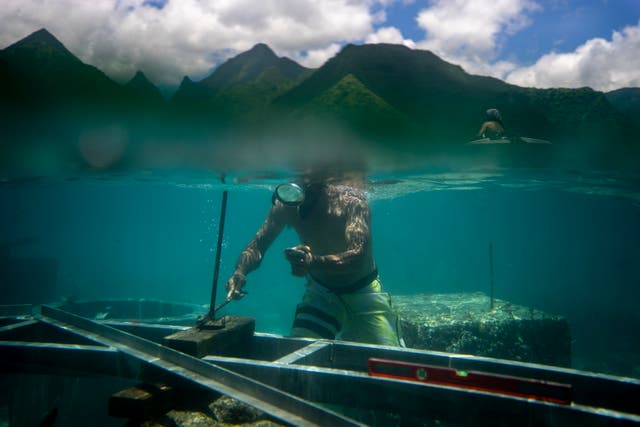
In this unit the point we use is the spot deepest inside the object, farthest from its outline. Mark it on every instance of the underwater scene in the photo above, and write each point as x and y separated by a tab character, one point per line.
556	246
563	243
305	213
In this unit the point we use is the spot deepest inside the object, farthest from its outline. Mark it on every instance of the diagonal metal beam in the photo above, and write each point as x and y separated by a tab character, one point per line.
17	325
299	355
13	310
280	405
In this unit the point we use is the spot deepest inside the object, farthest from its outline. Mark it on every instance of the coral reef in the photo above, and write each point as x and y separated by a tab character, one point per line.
465	323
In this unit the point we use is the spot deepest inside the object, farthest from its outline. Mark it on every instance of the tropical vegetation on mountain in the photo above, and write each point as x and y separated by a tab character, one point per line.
382	94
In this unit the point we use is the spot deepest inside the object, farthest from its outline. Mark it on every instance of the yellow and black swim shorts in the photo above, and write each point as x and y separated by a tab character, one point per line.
362	315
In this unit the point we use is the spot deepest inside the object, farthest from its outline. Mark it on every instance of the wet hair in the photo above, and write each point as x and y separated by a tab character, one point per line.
494	115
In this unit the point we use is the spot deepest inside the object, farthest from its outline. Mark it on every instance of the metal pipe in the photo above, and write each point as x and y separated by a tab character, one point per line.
216	270
491	273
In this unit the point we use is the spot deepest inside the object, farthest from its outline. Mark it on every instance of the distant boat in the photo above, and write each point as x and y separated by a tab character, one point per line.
509	151
508	140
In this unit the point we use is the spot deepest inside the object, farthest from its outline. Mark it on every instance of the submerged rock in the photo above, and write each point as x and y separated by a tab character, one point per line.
191	419
232	411
222	412
464	323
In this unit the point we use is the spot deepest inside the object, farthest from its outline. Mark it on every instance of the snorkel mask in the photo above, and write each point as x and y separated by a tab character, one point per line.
289	194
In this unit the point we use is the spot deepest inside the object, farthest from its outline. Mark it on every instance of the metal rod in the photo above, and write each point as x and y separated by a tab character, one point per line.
221	305
216	270
491	273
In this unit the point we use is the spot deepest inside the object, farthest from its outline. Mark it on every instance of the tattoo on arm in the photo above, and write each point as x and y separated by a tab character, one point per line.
252	255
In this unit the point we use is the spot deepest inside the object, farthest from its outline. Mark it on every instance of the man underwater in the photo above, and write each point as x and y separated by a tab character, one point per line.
344	297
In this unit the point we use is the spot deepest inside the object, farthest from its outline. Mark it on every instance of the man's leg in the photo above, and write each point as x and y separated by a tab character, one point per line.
370	317
319	315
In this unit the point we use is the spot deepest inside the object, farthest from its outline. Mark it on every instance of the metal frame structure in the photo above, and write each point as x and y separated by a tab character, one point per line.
296	380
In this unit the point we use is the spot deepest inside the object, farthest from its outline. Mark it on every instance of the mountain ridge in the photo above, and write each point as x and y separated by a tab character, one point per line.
244	84
383	92
38	71
43	43
626	100
143	91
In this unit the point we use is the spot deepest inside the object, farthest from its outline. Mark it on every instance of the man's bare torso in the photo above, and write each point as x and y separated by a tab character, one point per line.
491	129
338	221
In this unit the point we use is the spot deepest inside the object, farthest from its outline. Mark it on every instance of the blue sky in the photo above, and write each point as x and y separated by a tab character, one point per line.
557	25
539	43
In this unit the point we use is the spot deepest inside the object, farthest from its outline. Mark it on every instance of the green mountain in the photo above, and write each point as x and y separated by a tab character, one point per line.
54	105
572	113
250	66
397	73
40	73
244	85
143	93
627	100
383	94
350	102
446	105
426	89
188	92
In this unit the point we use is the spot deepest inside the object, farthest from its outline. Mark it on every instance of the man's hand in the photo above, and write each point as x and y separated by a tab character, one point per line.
234	286
300	258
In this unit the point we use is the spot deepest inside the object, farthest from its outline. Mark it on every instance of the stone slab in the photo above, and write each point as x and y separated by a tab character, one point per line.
464	323
234	339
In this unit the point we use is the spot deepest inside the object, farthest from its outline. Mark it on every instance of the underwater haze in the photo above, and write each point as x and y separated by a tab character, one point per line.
564	242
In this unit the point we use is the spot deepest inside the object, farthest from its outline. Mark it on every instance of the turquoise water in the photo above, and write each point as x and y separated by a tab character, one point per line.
564	242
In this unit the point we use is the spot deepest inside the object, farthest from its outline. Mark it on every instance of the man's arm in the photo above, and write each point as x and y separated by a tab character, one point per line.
483	129
252	255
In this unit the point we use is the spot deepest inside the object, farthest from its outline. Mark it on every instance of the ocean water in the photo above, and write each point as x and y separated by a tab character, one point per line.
565	242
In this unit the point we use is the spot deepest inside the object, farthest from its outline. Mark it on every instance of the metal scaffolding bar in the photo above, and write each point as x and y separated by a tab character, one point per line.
283	375
280	405
458	405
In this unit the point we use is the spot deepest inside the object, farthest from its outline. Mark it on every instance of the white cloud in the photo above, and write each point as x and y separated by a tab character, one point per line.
315	58
469	33
189	37
472	27
601	64
389	35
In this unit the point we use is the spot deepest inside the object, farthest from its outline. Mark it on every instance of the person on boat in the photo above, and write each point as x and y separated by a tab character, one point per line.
493	127
343	298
